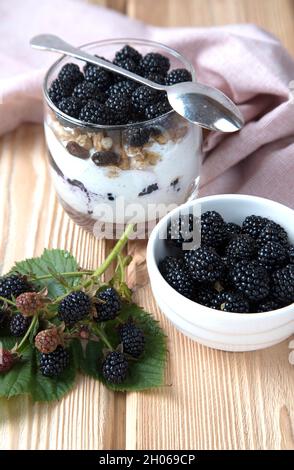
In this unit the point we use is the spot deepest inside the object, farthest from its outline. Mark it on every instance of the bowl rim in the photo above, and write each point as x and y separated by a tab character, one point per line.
221	315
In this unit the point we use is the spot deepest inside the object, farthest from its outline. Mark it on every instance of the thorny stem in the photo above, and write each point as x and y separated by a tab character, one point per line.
3	299
68	274
115	252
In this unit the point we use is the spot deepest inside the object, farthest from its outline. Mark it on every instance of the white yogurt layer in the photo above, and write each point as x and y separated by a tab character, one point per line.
178	160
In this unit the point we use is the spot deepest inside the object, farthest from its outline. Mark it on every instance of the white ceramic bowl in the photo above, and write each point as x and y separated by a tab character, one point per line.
217	329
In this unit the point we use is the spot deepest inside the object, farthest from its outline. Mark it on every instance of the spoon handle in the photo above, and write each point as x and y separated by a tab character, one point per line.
51	42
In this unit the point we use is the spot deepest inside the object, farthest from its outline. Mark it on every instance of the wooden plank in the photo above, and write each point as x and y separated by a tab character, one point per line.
213	399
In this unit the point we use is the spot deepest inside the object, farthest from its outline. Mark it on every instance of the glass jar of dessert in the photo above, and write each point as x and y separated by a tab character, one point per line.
118	153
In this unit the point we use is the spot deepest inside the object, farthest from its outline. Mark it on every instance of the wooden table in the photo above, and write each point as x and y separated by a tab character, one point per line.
212	399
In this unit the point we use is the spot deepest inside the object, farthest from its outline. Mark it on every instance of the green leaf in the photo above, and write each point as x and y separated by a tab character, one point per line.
25	378
146	372
17	380
51	262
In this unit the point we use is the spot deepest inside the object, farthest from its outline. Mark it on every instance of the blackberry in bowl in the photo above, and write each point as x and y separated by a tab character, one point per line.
116	148
236	292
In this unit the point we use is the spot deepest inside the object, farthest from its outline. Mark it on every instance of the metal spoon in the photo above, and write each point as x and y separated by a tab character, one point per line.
198	103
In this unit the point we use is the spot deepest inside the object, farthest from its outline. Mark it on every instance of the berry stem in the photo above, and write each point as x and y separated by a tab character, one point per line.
31	327
10	302
115	251
99	333
113	254
68	274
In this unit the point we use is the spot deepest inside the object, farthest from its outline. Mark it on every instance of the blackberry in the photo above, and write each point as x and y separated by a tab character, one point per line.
137	136
155	62
182	229
54	363
157	109
95	113
115	367
272	255
59	90
70	74
170	263
213	229
127	64
132	338
232	230
19	324
283	284
7	359
13	285
251	280
177	277
142	97
273	232
206	296
118	106
29	303
231	302
71	106
74	307
108	305
100	77
178	76
253	225
125	88
243	247
204	264
155	77
128	52
267	306
88	91
291	254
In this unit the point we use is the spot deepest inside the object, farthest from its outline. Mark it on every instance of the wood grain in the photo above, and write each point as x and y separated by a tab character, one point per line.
211	399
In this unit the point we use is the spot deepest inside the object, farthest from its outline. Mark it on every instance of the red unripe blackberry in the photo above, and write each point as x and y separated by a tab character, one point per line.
7	359
29	303
47	341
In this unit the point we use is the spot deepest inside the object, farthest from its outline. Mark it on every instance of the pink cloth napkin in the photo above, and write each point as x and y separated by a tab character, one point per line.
248	64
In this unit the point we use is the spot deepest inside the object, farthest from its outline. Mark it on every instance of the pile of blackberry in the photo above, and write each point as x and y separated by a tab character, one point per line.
74	310
243	268
98	96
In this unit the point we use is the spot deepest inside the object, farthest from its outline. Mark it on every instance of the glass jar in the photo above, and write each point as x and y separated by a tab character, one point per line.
102	178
